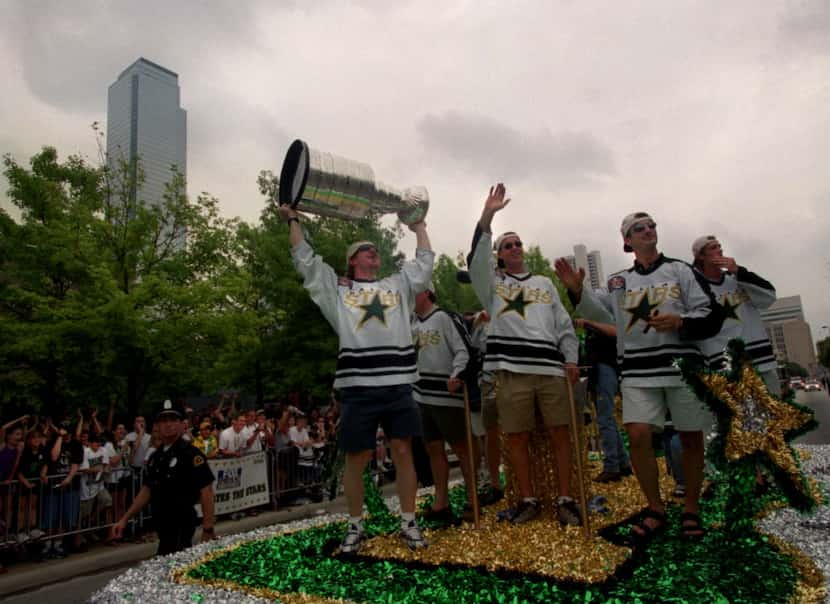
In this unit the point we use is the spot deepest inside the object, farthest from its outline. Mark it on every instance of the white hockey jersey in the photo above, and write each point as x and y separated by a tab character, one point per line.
442	354
645	356
371	318
530	330
742	296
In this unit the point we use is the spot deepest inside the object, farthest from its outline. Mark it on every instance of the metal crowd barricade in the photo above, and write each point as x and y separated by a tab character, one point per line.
50	511
290	481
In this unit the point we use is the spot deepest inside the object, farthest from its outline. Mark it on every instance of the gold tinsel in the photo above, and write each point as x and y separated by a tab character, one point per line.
760	422
542	547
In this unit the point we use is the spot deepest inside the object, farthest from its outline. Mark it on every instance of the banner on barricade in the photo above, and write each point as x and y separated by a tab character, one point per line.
240	482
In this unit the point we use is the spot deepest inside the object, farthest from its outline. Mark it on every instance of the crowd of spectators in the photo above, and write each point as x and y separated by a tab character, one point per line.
63	483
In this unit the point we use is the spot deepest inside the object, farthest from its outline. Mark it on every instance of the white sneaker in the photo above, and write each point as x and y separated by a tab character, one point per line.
36	533
412	537
23	537
352	540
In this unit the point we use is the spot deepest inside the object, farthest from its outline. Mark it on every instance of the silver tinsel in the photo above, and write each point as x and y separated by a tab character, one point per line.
151	580
808	532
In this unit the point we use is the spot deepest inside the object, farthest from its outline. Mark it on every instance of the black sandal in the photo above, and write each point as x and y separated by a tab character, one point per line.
694	530
640	540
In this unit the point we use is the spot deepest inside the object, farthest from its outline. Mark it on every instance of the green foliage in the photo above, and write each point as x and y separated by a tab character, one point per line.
105	296
824	352
451	294
794	369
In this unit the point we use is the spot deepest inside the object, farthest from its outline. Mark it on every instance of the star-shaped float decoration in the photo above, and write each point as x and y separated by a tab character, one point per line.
640	312
757	425
374	309
515	304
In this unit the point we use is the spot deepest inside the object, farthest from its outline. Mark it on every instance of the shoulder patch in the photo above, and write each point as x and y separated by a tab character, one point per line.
616	282
198	460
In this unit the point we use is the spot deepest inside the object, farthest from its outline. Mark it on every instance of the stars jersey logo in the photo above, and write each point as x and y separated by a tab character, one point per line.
730	302
372	304
640	312
517	298
641	304
516	304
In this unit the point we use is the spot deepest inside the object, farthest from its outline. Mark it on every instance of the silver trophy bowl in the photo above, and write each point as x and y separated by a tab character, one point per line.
328	185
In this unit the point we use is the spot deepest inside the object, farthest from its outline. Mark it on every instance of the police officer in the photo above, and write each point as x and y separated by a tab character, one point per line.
177	478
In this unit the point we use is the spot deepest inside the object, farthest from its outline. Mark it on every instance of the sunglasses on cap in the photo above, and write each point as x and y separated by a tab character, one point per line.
642	226
365	248
511	244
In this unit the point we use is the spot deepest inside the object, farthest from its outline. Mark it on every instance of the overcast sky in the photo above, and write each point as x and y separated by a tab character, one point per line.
712	116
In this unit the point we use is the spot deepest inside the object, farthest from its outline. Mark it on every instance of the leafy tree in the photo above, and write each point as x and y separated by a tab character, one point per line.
794	369
452	294
824	352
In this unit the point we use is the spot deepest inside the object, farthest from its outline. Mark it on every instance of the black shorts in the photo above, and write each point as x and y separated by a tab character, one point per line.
363	408
443	423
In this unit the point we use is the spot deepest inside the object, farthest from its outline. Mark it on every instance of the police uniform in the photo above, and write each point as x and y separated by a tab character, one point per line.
175	476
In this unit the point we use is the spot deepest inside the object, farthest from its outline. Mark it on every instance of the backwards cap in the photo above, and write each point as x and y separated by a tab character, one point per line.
628	222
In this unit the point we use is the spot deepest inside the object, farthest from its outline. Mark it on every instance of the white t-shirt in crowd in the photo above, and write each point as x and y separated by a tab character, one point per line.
306	453
232	441
256	446
143	446
91	484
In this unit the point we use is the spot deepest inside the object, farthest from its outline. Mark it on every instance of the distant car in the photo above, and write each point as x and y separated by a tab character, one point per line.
797	383
812	386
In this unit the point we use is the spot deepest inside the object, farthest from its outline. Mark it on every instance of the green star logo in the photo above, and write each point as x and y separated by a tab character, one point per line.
516	304
373	310
729	309
640	312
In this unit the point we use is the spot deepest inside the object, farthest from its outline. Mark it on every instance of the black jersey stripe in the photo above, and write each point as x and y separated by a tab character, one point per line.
376	360
374	349
657	361
661	348
375	372
522	361
652	373
528	341
501	349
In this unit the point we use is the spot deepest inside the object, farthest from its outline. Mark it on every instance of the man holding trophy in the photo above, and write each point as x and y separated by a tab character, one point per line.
376	364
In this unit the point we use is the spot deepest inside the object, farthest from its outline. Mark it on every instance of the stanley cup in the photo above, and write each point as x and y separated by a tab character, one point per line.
325	184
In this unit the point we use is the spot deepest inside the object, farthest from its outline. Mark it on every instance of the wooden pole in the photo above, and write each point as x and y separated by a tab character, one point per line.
586	523
470	449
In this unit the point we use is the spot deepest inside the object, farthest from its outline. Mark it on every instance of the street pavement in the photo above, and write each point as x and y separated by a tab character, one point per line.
820	403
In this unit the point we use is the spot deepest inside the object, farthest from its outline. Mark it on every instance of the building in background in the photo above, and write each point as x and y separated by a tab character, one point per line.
790	334
590	262
147	127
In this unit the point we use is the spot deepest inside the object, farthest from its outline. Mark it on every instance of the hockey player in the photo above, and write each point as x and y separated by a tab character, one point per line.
531	346
376	364
660	306
442	356
742	294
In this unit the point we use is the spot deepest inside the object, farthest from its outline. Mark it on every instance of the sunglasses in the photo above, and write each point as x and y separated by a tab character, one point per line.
642	226
511	244
366	248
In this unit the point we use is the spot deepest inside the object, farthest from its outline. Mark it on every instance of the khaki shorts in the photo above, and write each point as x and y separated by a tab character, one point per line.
103	498
519	394
649	406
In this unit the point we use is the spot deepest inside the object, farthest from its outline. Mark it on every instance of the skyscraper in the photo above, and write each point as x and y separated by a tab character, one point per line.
591	262
789	333
145	123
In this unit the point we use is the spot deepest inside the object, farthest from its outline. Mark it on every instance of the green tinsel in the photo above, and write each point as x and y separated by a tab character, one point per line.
738	568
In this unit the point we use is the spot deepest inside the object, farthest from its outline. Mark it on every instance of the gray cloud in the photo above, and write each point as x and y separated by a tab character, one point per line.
69	53
557	160
806	23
